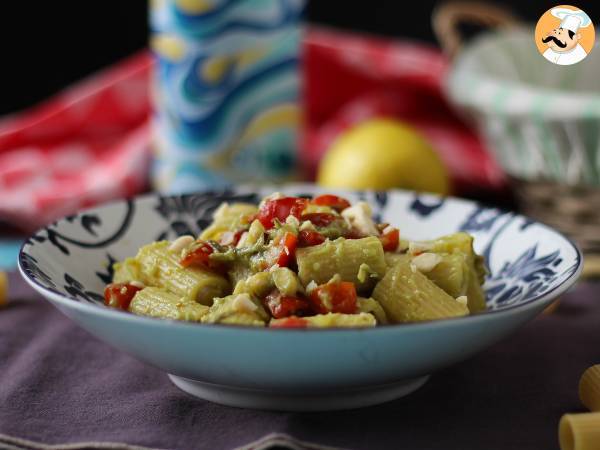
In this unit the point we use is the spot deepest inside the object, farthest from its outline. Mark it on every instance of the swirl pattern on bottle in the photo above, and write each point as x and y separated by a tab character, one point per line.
225	91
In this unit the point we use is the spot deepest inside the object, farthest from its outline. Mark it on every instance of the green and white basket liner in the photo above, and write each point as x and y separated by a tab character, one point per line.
542	121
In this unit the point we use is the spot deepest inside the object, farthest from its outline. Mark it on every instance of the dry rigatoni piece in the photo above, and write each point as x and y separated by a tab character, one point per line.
407	295
156	302
3	289
579	431
160	267
342	257
589	388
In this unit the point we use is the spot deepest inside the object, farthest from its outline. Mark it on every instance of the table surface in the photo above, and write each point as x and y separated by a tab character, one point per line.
59	384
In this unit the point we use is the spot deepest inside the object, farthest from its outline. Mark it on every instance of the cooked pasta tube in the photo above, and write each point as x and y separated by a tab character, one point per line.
372	306
255	234
227	217
237	309
156	302
331	320
451	274
286	281
589	388
238	271
460	244
579	431
160	267
257	285
344	257
407	295
127	271
391	258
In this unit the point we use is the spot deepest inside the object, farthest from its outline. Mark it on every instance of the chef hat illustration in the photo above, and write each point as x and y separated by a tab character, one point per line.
571	19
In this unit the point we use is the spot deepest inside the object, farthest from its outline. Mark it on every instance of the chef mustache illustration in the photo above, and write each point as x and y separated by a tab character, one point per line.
563	42
557	41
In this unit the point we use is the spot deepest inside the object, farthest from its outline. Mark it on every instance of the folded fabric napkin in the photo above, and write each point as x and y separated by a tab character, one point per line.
61	385
86	145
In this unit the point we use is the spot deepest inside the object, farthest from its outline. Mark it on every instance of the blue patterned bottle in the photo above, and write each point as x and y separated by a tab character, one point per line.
225	91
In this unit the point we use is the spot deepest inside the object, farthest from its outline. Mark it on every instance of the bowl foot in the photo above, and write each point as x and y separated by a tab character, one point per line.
269	400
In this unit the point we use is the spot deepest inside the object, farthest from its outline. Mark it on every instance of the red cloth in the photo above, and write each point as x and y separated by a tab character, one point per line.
350	78
86	145
91	143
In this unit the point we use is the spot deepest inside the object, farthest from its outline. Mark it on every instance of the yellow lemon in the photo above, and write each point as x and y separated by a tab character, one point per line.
383	154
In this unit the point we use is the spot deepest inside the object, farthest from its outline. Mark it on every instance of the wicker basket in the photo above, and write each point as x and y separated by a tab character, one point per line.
541	121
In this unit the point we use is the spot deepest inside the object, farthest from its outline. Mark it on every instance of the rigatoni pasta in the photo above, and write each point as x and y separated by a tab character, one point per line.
344	257
160	267
579	431
589	388
157	302
407	295
300	262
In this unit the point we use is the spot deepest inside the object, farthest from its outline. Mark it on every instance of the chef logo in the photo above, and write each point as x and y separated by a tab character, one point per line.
564	35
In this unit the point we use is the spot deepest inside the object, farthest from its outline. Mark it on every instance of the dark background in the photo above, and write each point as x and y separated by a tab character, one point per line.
47	45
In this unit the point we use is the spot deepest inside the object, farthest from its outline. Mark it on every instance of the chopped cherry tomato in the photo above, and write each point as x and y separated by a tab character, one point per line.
280	209
334	297
390	240
290	322
320	219
333	201
282	251
119	295
284	306
231	237
287	247
307	238
199	255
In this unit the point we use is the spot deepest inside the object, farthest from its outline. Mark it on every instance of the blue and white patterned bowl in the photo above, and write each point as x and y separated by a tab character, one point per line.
69	263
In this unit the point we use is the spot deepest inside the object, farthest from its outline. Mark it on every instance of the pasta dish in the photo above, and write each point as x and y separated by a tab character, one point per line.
293	262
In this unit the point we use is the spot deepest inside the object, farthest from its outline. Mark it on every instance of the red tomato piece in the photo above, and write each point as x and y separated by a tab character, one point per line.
119	295
231	237
287	248
390	240
307	238
334	297
290	322
320	219
284	305
199	255
333	201
280	209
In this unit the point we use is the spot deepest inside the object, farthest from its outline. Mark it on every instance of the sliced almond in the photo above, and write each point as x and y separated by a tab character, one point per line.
181	243
243	303
426	262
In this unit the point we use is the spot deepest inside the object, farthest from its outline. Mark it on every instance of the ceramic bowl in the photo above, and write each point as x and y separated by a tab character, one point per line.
69	262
